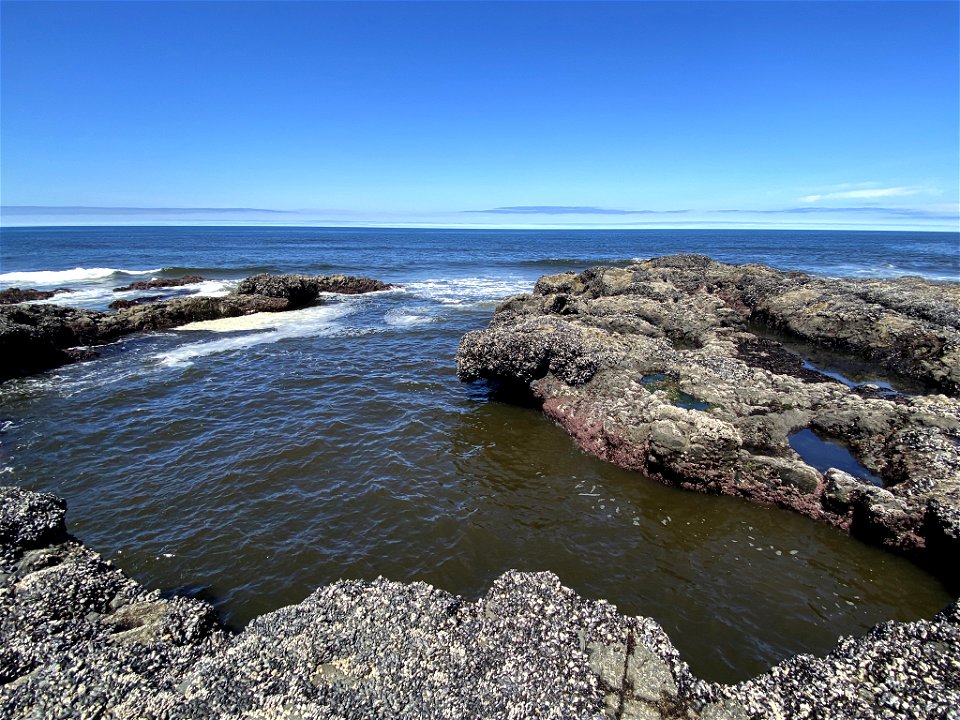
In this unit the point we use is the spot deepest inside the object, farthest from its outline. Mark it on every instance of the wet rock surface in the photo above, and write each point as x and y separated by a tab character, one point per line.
80	639
19	295
142	300
301	290
34	338
161	283
653	367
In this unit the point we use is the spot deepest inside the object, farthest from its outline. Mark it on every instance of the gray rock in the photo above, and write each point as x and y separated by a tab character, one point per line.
653	367
29	520
19	295
34	338
301	290
161	283
78	639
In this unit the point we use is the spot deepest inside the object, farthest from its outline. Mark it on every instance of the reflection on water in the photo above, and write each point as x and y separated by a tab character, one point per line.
253	472
825	454
847	369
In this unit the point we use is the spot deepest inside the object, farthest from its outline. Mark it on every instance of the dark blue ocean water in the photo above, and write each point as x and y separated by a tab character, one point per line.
251	462
405	254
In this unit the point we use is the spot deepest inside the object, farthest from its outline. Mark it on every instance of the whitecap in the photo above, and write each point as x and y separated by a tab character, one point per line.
213	288
99	297
94	297
61	277
469	290
405	318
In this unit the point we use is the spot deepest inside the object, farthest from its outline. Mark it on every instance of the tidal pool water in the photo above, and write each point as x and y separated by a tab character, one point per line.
252	463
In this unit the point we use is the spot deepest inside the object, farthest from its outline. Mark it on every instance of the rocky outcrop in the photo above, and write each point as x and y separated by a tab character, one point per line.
142	300
18	295
161	283
34	338
302	290
654	367
80	639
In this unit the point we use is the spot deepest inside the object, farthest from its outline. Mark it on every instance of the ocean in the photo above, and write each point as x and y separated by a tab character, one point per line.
250	462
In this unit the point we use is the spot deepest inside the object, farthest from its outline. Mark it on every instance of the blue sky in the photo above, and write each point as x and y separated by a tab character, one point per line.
619	114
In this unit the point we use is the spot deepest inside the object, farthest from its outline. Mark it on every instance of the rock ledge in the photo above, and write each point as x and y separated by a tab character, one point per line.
667	367
79	639
34	338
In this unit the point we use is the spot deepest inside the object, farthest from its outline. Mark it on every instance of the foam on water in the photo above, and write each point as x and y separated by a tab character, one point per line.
883	270
213	288
406	317
60	277
88	298
98	297
273	327
469	290
293	319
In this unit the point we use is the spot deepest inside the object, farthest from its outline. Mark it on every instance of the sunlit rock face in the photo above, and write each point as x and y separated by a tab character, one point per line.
662	367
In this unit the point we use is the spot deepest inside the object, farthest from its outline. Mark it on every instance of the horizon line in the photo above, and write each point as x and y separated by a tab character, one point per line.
633	227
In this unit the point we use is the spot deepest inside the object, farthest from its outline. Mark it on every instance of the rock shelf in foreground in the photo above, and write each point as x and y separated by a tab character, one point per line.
654	367
80	639
34	338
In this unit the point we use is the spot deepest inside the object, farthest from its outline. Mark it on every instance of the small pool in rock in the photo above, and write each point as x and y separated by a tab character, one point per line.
846	368
825	454
885	388
661	382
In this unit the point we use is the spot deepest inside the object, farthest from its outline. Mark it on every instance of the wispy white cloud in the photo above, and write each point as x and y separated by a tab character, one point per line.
569	210
152	211
863	194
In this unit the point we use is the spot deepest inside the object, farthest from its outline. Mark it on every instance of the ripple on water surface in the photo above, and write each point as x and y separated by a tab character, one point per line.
272	459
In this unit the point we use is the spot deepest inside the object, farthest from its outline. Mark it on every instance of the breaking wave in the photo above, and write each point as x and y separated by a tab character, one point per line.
61	277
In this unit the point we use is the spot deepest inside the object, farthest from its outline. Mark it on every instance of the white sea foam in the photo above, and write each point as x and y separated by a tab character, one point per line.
86	298
213	288
62	277
101	296
309	322
404	317
469	290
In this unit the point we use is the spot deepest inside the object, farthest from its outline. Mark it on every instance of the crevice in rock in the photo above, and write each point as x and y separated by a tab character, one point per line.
624	685
509	390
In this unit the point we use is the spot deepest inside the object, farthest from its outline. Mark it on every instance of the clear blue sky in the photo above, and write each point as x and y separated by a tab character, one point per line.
683	113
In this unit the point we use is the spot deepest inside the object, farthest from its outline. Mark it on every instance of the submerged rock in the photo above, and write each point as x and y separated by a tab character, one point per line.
161	283
80	639
143	300
653	367
34	338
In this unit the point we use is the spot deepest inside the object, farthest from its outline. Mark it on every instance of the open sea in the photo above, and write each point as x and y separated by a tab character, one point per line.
248	463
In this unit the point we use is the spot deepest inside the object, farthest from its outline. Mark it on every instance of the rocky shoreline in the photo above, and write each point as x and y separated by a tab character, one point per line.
657	367
79	639
661	366
35	338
